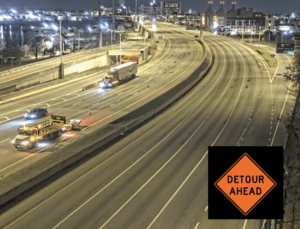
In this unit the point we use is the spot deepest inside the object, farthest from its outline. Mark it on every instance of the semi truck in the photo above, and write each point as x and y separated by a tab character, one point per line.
29	135
119	74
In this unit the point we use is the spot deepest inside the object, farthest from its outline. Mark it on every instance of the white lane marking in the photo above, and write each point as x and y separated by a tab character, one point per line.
5	118
159	89
109	159
144	70
245	224
238	98
5	140
76	103
57	225
197	225
282	109
48	104
263	224
11	165
206	208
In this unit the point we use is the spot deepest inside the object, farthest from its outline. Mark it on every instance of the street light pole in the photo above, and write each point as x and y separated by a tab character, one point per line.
60	39
78	39
113	24
100	30
251	33
136	10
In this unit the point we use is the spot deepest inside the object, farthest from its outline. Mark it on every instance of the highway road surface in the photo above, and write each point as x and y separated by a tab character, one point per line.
174	61
156	177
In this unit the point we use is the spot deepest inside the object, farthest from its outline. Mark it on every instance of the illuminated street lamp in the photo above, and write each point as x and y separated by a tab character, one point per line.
124	7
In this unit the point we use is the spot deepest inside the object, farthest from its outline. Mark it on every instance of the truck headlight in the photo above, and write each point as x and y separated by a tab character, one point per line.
25	143
13	141
25	115
102	84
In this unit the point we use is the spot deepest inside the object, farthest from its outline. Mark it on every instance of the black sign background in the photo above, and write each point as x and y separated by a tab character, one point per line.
284	47
220	159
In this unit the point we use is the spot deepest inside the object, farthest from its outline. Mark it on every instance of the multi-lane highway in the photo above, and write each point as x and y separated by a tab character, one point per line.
156	177
177	57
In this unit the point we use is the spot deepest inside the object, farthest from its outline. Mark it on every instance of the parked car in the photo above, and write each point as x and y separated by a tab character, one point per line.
37	113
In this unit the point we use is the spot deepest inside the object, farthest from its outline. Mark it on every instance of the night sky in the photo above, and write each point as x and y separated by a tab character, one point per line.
267	6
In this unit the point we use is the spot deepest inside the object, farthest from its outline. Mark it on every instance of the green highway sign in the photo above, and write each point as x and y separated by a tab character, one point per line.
290	52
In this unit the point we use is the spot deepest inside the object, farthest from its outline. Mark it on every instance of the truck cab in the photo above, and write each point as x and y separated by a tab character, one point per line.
109	79
26	138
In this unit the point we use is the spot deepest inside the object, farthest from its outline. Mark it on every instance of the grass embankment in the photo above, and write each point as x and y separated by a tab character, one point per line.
272	62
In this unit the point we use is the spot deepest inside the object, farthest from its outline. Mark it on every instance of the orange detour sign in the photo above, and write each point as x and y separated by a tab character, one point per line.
245	184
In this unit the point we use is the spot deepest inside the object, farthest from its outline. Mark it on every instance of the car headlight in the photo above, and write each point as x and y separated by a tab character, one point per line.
25	115
32	116
25	143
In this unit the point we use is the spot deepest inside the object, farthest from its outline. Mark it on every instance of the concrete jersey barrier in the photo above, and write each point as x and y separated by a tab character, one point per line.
24	179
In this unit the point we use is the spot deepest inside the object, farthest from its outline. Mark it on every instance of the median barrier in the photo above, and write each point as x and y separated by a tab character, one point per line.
272	62
39	171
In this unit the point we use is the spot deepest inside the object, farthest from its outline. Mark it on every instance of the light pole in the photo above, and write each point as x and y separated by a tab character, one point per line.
136	10
113	24
243	28
124	7
251	34
120	34
145	48
100	29
61	51
60	39
78	39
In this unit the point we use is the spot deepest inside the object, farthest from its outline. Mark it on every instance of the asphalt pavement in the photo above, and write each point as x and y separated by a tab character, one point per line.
156	177
168	67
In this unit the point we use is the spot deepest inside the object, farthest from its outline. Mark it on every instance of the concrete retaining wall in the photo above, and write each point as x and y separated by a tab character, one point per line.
85	64
71	68
15	184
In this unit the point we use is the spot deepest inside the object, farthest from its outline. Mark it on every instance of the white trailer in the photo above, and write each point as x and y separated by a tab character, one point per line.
119	74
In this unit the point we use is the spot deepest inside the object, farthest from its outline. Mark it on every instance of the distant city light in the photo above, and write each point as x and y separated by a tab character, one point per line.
54	27
46	26
215	25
